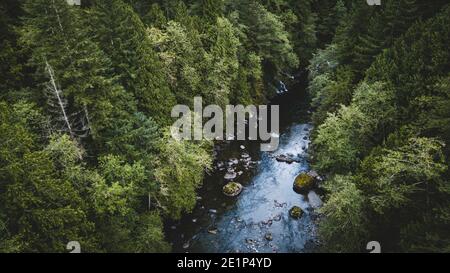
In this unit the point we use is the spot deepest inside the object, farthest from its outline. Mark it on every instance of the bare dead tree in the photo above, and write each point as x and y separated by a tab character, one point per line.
75	123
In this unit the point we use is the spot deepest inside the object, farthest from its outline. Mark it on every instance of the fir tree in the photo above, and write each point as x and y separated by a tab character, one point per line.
122	35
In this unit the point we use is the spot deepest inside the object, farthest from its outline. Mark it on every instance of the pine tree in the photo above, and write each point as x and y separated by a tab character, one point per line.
44	204
14	73
56	37
266	35
155	16
123	37
209	10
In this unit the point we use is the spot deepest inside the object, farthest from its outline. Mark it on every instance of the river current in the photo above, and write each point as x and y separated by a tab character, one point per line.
257	220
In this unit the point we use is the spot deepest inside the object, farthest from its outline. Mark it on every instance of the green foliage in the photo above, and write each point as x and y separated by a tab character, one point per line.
344	228
179	173
122	36
90	89
338	144
177	50
388	142
149	235
265	34
44	208
86	95
434	114
55	36
337	92
395	176
221	63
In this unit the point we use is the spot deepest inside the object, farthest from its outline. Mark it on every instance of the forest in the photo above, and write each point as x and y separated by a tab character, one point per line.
86	93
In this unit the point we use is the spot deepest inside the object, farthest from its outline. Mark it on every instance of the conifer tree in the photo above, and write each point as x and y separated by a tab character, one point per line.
122	35
56	37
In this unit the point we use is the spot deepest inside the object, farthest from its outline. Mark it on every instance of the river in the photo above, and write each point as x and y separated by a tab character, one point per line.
256	221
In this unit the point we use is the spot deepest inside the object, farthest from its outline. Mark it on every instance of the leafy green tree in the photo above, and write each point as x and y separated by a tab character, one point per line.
395	176
182	59
338	144
149	235
345	224
122	213
401	168
179	173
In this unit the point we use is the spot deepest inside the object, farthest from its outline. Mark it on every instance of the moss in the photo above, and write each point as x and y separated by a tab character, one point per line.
296	212
303	183
232	189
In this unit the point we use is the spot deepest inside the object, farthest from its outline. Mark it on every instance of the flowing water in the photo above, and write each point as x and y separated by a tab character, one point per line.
258	219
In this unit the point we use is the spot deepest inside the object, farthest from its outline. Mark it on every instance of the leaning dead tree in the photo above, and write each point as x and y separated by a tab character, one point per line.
64	118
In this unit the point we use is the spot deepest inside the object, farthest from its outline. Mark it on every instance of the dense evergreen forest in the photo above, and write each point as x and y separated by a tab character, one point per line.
86	94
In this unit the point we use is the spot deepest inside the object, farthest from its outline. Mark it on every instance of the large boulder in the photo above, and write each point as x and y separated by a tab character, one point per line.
285	158
304	183
232	189
296	212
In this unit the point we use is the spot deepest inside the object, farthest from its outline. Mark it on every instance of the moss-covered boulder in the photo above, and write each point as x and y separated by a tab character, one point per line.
232	189
304	183
296	212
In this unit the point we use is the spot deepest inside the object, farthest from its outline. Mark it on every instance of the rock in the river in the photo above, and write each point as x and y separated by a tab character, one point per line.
268	236
314	200
232	189
285	158
213	211
212	231
296	212
235	161
303	183
186	245
278	204
230	175
242	147
277	218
